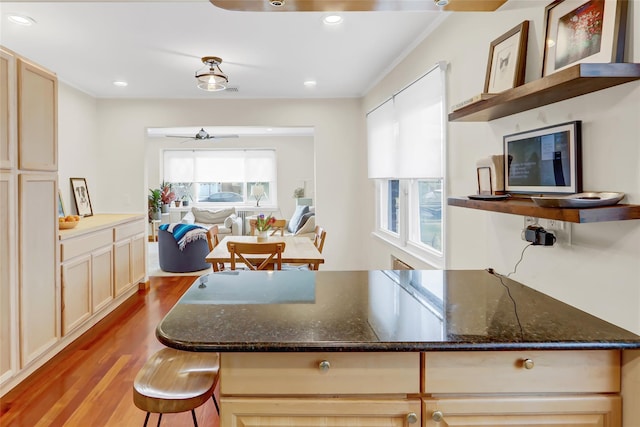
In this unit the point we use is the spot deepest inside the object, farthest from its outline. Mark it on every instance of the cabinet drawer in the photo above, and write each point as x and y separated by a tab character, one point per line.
595	371
302	373
128	230
85	244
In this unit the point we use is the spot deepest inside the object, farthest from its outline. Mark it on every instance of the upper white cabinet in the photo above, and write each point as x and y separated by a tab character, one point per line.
37	118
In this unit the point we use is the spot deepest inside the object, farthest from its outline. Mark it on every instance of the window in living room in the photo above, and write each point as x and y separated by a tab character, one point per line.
222	176
406	137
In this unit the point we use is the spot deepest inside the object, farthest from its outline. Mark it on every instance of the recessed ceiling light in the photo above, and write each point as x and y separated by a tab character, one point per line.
332	19
21	20
276	3
310	83
120	83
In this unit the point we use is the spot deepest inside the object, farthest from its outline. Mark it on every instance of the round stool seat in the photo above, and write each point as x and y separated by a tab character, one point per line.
175	381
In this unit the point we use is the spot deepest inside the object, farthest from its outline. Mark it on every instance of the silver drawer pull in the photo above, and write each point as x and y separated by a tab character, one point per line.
437	416
412	418
324	366
528	364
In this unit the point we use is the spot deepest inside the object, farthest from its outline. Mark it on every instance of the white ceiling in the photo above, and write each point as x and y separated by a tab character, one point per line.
156	47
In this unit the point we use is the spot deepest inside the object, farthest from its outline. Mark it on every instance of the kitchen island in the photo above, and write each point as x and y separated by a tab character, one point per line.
430	348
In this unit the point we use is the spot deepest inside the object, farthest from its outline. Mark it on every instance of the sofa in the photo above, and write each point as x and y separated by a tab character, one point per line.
226	219
302	222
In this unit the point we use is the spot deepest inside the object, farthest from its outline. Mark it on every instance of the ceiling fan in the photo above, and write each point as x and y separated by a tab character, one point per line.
202	135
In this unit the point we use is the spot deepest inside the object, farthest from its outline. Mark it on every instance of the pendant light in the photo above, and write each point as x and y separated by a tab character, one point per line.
210	77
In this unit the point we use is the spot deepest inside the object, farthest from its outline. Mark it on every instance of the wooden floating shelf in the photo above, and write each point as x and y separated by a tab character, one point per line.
574	81
526	207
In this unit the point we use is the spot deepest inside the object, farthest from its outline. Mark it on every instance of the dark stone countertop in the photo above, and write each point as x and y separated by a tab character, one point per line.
378	311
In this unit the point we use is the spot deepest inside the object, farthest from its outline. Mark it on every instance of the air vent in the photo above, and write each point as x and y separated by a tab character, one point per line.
231	89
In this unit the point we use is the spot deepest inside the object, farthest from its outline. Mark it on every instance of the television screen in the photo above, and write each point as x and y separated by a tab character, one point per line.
543	161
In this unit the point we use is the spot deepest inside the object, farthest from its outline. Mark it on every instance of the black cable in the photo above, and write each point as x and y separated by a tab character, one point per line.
500	276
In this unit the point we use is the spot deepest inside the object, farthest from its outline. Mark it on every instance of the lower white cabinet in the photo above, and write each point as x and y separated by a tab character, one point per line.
76	292
129	255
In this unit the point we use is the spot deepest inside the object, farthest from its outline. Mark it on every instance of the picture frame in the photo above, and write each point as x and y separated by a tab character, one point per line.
507	60
578	31
546	160
81	196
61	212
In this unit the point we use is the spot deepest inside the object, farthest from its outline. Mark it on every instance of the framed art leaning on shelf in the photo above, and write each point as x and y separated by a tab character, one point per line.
81	196
507	60
579	31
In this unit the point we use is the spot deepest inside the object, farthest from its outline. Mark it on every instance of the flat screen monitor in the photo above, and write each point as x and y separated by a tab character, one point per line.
544	161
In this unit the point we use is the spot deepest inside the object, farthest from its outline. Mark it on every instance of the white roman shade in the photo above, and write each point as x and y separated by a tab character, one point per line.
406	134
219	165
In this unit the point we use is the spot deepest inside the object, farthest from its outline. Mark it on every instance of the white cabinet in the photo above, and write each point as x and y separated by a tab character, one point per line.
37	118
76	292
8	278
129	255
8	109
39	291
101	278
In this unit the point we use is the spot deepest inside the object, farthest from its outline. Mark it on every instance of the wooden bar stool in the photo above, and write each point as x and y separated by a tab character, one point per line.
174	381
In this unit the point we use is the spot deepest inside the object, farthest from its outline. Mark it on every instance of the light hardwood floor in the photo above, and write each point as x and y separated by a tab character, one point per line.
89	384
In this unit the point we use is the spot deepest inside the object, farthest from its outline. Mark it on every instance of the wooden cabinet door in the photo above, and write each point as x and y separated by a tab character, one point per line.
76	284
38	264
8	109
556	411
8	277
138	261
311	412
101	278
122	266
37	118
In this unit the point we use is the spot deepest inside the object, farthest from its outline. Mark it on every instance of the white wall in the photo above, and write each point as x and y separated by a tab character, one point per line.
338	144
77	142
600	271
294	157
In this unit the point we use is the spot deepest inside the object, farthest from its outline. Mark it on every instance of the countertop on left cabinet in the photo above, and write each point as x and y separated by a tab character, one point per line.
99	222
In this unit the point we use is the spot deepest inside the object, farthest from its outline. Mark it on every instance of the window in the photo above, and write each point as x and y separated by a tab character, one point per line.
221	176
406	157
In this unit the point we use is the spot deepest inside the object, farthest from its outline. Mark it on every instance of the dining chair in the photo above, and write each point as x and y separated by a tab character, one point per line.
318	239
173	381
272	250
213	240
278	226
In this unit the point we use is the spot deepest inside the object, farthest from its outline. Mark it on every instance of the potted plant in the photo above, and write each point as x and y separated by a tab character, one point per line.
168	196
155	203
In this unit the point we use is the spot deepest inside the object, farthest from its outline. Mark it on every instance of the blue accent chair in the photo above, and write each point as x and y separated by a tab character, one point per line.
173	260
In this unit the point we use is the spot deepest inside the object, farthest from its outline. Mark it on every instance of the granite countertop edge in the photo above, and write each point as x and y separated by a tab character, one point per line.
393	347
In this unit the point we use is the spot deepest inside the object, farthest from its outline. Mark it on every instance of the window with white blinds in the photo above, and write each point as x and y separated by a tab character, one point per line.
221	176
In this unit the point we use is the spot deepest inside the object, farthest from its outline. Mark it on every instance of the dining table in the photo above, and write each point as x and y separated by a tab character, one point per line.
298	250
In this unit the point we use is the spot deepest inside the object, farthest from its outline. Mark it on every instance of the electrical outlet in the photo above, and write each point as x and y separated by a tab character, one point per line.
560	229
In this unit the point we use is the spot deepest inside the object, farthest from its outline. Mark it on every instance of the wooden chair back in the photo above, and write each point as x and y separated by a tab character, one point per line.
212	237
276	227
272	250
318	239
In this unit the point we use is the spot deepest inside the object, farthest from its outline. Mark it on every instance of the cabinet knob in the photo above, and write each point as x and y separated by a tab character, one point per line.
412	418
324	366
437	416
528	364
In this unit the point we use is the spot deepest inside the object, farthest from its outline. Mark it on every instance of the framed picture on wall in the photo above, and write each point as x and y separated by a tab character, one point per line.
579	31
81	196
507	60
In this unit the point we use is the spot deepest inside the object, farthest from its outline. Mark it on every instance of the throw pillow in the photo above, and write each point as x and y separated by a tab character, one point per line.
295	218
211	217
228	221
309	224
303	220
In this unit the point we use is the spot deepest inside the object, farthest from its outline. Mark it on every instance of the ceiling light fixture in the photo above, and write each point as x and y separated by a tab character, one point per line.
276	3
310	83
211	78
120	83
441	2
332	19
21	20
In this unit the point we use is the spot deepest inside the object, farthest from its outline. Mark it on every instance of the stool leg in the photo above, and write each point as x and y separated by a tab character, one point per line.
146	419
193	414
159	419
215	402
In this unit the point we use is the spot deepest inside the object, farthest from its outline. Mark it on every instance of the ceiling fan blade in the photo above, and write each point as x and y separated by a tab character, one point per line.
221	136
179	136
